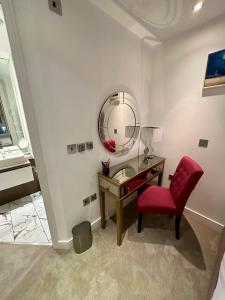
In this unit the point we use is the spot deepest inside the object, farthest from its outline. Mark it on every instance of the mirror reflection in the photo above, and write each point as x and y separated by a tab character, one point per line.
5	137
118	123
12	120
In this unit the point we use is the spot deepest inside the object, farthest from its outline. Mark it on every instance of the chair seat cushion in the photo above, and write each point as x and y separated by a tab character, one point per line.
157	200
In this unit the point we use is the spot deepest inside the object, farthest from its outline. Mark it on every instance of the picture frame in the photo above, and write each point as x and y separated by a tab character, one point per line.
215	70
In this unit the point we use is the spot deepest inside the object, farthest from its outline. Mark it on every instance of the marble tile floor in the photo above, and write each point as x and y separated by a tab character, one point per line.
152	265
24	221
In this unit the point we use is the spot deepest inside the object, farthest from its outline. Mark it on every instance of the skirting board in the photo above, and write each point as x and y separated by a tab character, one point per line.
67	244
207	221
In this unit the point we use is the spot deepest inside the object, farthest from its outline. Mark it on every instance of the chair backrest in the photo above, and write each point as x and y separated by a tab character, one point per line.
184	181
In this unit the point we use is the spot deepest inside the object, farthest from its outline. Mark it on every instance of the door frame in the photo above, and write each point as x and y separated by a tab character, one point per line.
23	82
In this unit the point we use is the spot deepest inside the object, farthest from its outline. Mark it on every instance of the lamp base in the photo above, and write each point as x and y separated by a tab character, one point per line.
147	157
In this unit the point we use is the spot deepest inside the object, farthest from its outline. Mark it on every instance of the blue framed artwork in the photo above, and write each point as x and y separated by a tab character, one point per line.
215	71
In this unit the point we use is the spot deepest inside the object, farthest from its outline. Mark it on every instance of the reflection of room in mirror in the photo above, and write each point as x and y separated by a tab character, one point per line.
5	137
120	117
118	123
11	111
124	174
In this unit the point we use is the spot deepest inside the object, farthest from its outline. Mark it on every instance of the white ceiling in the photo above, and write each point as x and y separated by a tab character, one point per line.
167	18
160	19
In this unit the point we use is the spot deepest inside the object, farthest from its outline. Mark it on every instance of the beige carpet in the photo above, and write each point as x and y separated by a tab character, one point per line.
151	265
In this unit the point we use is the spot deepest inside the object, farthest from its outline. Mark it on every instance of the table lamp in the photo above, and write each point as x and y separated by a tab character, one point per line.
150	135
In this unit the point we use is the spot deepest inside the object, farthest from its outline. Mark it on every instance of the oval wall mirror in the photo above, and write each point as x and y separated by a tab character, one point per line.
118	123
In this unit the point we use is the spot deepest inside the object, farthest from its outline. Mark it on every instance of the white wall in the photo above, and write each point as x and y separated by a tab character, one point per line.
74	62
178	106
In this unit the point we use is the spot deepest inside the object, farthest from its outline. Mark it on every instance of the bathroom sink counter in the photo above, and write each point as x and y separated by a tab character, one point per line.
14	167
11	157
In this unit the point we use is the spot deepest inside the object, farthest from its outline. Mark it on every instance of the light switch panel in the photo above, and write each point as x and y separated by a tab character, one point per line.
89	145
71	149
81	147
55	6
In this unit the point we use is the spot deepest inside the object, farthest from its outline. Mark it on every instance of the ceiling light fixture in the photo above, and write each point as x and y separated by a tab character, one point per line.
198	6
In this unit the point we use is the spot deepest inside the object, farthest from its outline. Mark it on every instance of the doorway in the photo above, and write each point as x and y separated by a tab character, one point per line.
22	211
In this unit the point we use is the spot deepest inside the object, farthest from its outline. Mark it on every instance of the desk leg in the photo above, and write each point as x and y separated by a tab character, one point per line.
119	221
102	208
160	179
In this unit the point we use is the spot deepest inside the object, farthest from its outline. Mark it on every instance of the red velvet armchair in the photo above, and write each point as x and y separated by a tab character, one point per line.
172	200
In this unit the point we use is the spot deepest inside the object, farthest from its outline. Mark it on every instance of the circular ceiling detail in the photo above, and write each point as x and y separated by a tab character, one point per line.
157	13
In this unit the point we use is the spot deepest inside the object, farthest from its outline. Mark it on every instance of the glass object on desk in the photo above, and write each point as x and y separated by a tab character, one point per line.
149	136
118	123
132	168
123	174
5	136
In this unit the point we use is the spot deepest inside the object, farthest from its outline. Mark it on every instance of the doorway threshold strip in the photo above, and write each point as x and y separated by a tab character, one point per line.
24	221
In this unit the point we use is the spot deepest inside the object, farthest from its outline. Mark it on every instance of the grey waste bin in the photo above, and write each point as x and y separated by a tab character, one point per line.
82	237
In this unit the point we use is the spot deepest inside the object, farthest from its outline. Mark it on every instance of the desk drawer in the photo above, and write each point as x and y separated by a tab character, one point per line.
114	189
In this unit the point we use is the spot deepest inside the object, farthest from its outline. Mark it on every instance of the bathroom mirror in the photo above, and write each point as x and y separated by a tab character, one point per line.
3	124
23	144
5	136
118	123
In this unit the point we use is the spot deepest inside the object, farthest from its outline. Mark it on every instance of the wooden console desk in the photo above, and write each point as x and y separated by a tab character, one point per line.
124	179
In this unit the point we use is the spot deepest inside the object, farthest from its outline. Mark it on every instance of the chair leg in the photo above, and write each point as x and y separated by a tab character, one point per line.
140	218
177	226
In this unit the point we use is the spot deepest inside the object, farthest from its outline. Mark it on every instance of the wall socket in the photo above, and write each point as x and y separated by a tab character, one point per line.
81	147
89	199
86	201
55	6
170	177
203	143
71	149
93	197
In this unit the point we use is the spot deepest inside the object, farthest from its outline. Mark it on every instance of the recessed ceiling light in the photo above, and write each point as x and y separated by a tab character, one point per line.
198	6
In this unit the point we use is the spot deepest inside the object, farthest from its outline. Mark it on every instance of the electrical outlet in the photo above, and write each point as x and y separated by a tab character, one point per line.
55	6
89	145
81	147
71	149
115	130
86	201
170	177
93	197
203	143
